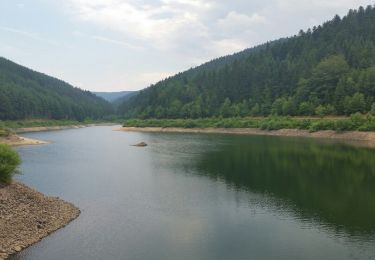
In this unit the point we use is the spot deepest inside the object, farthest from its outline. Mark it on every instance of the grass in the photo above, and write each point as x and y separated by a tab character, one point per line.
356	122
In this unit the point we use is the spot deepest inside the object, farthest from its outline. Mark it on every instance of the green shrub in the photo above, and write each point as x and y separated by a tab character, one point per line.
344	125
9	161
368	125
320	111
357	120
190	124
322	125
3	132
304	124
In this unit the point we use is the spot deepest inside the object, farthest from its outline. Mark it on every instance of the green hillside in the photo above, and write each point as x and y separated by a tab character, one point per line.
326	70
26	94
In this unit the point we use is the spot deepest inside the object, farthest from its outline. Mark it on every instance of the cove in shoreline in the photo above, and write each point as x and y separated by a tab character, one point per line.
366	139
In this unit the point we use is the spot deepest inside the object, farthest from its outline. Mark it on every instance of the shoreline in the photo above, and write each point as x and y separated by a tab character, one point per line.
15	140
353	137
27	216
56	128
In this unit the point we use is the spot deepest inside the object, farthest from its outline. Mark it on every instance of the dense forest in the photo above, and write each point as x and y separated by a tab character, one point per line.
26	94
326	70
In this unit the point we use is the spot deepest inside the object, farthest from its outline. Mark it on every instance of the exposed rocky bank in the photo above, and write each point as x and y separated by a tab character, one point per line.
27	216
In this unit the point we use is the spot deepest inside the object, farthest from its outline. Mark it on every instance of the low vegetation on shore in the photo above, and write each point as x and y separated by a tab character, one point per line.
4	132
9	161
356	122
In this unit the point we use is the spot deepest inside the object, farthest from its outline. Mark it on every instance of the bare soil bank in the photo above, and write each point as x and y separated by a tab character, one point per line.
354	137
27	216
15	140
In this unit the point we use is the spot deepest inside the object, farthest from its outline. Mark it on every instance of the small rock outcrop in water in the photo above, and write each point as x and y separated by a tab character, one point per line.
142	144
27	216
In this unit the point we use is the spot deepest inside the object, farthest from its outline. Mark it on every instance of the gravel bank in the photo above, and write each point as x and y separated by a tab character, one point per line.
27	216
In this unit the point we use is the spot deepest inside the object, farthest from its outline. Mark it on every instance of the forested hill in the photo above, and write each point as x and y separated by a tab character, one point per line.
329	69
26	94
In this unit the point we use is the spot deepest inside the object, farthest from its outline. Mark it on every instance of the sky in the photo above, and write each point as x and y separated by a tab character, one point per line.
115	45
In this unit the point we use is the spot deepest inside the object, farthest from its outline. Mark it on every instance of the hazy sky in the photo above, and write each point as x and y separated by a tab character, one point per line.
111	45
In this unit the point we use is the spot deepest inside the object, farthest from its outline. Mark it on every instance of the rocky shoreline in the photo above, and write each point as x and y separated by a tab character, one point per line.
366	139
27	216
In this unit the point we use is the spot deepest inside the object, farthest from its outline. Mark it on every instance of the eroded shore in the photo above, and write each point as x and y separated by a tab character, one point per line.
27	216
353	137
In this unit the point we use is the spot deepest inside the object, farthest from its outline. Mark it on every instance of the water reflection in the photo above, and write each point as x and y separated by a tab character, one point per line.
331	184
190	196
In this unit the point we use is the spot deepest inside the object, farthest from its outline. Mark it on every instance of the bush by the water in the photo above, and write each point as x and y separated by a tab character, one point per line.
9	161
4	132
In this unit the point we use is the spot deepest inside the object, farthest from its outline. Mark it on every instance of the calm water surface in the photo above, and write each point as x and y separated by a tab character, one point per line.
193	196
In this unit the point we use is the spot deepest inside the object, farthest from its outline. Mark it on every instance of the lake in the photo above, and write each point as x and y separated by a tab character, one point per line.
203	196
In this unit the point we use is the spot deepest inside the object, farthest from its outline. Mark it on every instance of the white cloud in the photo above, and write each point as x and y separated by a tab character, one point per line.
146	22
192	29
170	35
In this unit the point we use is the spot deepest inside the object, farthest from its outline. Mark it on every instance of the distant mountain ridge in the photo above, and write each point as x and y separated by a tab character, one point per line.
326	70
27	94
113	96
